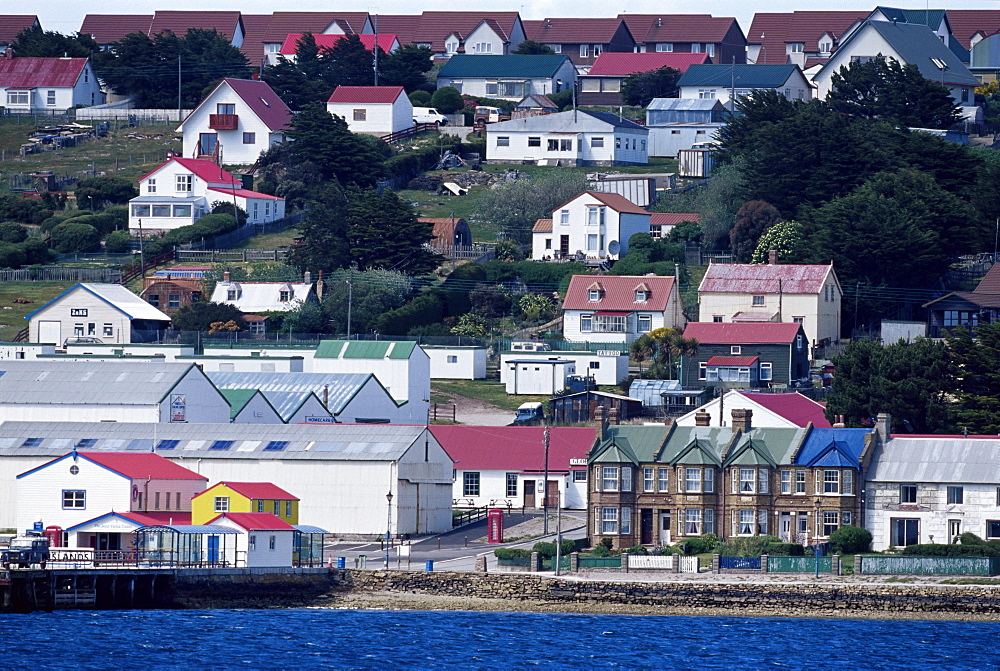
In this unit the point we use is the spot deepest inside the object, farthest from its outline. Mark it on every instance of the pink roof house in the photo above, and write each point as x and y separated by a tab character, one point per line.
373	110
44	84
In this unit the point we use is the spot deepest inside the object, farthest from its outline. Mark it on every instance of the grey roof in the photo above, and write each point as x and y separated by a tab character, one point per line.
326	442
308	529
53	382
580	121
944	460
116	296
340	387
693	104
738	76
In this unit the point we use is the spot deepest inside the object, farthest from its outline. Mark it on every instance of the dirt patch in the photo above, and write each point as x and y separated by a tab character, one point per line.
473	411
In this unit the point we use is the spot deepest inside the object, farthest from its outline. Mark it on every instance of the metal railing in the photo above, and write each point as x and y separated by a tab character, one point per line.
462	517
798	564
915	565
599	562
740	563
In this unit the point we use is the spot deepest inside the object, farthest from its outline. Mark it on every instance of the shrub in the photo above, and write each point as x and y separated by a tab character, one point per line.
117	242
701	545
447	100
35	252
850	540
969	538
548	549
638	550
785	549
945	550
511	553
12	232
603	551
425	309
11	255
72	238
752	546
420	99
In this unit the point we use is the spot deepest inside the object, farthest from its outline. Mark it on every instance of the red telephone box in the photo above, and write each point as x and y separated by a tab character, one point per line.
494	525
55	536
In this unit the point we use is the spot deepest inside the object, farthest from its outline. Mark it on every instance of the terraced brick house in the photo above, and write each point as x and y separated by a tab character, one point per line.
583	39
718	36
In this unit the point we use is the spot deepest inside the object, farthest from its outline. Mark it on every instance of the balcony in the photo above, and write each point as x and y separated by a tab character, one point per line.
223	121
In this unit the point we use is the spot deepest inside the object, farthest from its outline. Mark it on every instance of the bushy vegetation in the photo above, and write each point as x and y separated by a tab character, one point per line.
512	553
850	540
547	549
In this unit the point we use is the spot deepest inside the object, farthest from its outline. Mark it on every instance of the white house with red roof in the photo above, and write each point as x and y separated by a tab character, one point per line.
374	110
745	355
753	292
78	487
662	223
593	225
237	121
265	540
183	190
619	308
47	84
791	410
504	466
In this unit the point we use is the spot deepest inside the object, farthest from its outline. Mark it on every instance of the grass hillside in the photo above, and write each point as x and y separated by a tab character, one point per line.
12	314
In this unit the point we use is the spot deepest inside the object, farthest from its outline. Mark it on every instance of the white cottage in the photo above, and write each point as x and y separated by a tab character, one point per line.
537	376
724	82
510	77
254	297
96	314
619	308
593	224
237	121
607	367
573	138
453	362
373	110
183	190
265	540
31	85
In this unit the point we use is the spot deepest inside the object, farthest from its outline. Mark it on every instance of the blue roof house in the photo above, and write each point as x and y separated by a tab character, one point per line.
507	77
724	82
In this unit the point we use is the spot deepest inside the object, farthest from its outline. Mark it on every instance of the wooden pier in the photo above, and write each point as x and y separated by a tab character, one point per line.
27	590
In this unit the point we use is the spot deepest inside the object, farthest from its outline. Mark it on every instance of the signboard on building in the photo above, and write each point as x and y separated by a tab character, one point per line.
78	312
320	420
178	408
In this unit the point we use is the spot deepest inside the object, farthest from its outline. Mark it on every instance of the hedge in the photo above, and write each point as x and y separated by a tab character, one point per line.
511	553
427	308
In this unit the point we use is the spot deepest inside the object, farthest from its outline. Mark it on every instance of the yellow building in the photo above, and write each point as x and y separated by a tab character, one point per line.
244	497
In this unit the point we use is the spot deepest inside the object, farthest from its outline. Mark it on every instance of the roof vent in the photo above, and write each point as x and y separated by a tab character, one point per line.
266	104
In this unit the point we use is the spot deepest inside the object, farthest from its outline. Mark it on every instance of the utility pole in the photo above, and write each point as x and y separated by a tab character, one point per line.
350	298
558	532
179	105
545	485
142	258
375	49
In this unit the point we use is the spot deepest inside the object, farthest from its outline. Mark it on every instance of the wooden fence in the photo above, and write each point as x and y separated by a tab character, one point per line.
62	274
406	133
229	256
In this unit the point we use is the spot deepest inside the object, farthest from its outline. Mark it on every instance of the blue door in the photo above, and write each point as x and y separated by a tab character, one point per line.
213	549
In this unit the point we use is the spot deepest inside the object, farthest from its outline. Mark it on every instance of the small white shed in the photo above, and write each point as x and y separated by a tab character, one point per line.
534	376
373	110
456	363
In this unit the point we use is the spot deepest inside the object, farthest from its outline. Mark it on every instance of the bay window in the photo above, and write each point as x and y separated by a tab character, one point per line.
609	479
692	521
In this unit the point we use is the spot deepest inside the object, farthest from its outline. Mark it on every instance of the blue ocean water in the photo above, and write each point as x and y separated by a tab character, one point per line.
369	639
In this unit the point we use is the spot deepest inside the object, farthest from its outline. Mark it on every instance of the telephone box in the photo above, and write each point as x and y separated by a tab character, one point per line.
494	525
55	536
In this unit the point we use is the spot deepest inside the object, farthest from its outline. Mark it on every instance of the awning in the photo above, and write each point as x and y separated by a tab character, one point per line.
755	316
611	313
731	361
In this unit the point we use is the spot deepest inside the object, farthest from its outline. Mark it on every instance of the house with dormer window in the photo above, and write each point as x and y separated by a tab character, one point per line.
594	225
619	308
254	297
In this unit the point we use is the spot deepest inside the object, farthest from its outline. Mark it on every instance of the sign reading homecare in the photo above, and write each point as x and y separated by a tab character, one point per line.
320	420
178	408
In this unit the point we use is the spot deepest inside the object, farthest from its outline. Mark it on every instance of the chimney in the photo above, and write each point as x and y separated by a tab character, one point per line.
307	278
613	415
883	424
226	277
659	22
601	420
838	422
741	420
9	53
702	418
772	257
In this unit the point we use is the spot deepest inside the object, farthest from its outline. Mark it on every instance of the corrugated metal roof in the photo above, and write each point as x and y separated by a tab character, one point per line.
256	521
288	390
738	76
764	278
672	218
685	104
263	101
323	442
308	529
580	121
510	448
51	382
192	529
262	296
611	63
237	399
469	65
131	465
201	168
366	94
542	226
117	297
618	292
365	349
937	460
721	333
796	408
732	361
29	72
253	490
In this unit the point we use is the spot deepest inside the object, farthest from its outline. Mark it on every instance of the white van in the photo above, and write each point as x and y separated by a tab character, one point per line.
428	115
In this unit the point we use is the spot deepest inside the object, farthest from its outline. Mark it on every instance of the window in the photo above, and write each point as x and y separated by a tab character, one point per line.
168	445
696	47
548	243
765	370
647	479
592	242
747	481
745	523
798	320
182	210
470	483
706	94
536	142
709	474
563	216
284	296
735	350
586	323
758	301
692	521
221	445
640	296
260	505
692	479
270	542
907	493
702	370
225	108
231	294
361	114
663	479
956	494
17	97
174	300
484	47
609	323
845	518
848	485
594	295
184	183
626	520
763	475
557	48
252	543
709	521
150	185
830	522
584	51
831	482
960	318
626	479
644	323
609	479
251	138
74	499
221	504
710	49
795	47
161	210
552	145
276	508
799	341
156	505
762	522
618	143
276	446
786	482
665	47
717	318
596	142
609	520
993	528
800	482
565	145
140	210
452	358
579	476
503	141
511	485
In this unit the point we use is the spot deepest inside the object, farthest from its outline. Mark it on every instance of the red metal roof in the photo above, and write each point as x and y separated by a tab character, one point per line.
672	218
291	43
618	292
732	361
575	31
774	30
40	72
723	333
612	200
12	24
256	521
651	28
965	23
623	64
201	168
366	94
179	22
142	465
262	101
750	278
108	28
256	490
513	448
151	519
244	193
796	408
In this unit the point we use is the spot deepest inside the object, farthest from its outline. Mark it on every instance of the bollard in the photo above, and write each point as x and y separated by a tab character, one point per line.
362	561
835	565
481	564
763	564
429	565
574	562
341	562
466	541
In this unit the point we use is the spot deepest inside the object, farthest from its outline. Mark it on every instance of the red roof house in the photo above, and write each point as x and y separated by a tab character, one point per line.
619	308
790	37
387	42
374	110
584	39
788	410
718	36
108	28
11	25
602	84
255	521
661	223
52	84
744	355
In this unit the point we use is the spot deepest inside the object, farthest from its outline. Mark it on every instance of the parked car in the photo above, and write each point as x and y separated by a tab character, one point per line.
428	115
83	340
24	551
529	414
529	346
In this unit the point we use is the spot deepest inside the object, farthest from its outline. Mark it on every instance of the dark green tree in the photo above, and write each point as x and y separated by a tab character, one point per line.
11	231
640	88
753	219
447	100
753	112
324	141
420	99
117	242
306	317
533	48
372	293
883	88
75	238
976	357
38	43
407	67
201	315
299	82
347	63
383	232
280	172
102	191
322	243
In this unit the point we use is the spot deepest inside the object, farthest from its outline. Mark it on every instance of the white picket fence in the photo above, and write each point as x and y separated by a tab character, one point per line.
662	563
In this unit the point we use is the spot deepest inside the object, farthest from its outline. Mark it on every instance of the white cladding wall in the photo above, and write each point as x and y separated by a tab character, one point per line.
261	554
484	41
312	407
246	364
609	369
257	411
762	417
372	402
793	88
405	379
40	494
592	240
538	377
168	352
234	151
457	363
24	351
493	490
375	118
572	332
203	402
666	141
99	319
820	317
307	354
614	145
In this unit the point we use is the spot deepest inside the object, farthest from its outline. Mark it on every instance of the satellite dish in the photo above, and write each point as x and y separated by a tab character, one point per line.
614	247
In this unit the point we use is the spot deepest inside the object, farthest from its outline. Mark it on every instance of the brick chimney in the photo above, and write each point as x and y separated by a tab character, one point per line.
741	420
883	425
226	277
613	415
601	420
772	257
702	418
839	422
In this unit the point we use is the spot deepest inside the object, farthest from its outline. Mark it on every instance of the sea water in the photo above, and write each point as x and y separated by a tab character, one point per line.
373	639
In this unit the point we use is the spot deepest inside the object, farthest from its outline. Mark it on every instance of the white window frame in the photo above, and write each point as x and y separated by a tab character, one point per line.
665	47
692	521
647	479
471	483
786	482
800	482
609	478
747	481
663	480
692	480
221	504
184	183
708	478
609	521
831	481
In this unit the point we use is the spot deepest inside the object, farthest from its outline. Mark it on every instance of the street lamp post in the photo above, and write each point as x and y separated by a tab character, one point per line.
388	526
817	522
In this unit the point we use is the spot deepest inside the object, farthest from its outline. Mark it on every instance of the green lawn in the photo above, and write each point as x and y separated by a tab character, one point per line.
488	391
12	314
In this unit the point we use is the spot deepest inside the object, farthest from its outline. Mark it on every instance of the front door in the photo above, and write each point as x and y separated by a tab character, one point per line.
529	494
206	143
564	245
664	528
785	526
552	497
213	549
109	542
48	332
646	526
